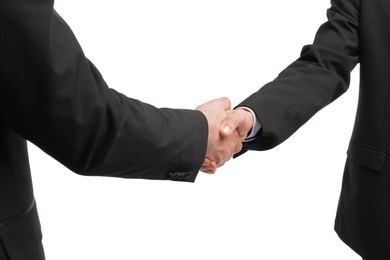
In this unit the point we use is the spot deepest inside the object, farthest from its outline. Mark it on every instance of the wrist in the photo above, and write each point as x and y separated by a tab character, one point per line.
247	121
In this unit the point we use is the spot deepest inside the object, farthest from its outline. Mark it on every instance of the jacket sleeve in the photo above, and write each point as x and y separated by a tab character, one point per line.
318	77
52	95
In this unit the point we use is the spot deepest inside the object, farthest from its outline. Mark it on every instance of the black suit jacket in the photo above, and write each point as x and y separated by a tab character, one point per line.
356	31
52	95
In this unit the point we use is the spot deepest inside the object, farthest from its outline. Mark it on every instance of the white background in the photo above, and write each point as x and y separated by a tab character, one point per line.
272	205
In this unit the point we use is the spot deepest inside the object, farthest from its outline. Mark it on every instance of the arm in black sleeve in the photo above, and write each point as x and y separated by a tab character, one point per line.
52	95
318	77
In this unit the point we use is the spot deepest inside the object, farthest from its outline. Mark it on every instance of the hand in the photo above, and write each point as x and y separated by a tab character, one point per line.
238	122
219	149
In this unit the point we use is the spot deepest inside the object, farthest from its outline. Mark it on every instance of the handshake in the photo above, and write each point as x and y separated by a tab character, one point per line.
227	130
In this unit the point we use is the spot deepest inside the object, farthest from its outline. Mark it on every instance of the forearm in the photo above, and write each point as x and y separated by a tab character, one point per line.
53	96
318	77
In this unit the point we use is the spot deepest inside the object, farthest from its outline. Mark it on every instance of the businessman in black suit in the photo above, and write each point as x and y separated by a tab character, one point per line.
356	31
53	96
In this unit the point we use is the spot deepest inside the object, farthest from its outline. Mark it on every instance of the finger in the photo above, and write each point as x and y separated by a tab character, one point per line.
206	162
229	124
213	165
227	159
238	147
208	171
211	168
221	164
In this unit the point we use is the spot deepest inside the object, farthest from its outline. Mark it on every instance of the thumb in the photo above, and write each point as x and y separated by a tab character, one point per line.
229	124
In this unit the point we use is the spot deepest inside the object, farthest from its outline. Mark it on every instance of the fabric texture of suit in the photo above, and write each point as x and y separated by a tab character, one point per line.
357	31
53	96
